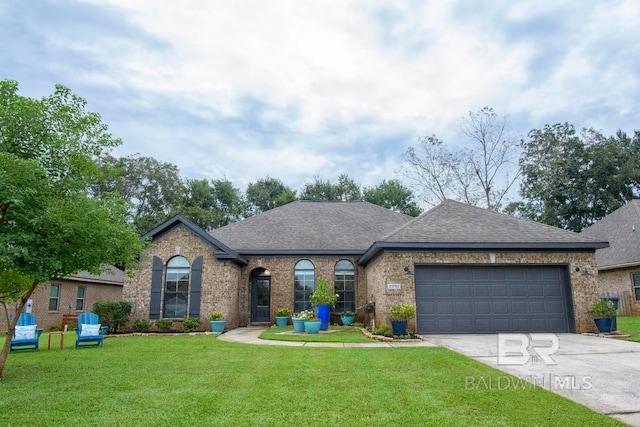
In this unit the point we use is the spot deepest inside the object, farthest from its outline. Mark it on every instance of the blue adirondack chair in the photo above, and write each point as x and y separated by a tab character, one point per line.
28	341
89	331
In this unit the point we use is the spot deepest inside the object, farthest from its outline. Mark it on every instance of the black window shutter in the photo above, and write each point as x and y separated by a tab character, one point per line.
156	288
196	285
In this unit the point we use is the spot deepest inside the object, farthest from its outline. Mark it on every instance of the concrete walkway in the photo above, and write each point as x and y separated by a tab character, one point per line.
600	373
249	335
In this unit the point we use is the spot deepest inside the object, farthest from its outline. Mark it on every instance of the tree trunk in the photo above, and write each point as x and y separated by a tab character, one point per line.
12	327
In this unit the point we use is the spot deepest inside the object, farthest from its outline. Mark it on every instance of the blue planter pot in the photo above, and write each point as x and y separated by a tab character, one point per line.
323	315
298	325
399	327
282	321
217	325
312	327
347	320
604	325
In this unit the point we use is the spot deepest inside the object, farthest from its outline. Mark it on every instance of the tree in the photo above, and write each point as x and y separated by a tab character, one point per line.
266	194
345	190
50	226
212	204
393	195
153	188
571	181
479	175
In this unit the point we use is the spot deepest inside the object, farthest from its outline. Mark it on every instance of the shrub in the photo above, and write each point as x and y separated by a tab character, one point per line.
402	312
55	328
142	325
190	324
603	309
384	330
216	315
113	314
164	325
283	312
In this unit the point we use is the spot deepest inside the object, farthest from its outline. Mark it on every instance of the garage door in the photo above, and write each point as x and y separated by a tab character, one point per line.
492	299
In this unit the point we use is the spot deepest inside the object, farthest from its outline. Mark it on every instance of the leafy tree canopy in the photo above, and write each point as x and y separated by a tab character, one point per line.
320	190
393	195
266	194
571	180
50	225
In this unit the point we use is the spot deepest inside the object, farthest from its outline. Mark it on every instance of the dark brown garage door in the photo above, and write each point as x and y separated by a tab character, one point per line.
493	299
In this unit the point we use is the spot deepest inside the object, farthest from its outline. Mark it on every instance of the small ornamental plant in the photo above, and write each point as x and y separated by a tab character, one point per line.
347	313
603	309
308	316
323	294
283	312
402	312
216	315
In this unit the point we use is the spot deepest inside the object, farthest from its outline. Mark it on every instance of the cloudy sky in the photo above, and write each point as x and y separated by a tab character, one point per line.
297	89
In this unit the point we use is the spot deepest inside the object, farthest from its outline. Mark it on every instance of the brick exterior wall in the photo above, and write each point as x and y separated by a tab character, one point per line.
388	268
227	286
219	279
619	281
68	293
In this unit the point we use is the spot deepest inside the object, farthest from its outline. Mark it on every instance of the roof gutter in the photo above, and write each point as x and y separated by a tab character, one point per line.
378	247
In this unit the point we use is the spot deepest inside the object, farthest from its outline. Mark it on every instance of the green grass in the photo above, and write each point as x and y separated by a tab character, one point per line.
629	325
198	380
335	334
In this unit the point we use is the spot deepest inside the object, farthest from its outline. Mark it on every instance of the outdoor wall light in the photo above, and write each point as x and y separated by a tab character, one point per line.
408	272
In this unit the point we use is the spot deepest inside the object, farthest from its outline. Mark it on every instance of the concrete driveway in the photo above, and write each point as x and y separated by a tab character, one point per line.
601	373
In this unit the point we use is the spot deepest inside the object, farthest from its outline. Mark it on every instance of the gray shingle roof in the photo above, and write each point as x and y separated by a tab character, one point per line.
111	276
618	228
311	227
455	222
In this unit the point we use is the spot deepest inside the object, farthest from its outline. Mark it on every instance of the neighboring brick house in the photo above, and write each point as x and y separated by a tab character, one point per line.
467	269
72	295
619	264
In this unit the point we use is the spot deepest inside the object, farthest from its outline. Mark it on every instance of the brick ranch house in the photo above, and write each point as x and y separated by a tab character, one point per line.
467	269
619	264
72	295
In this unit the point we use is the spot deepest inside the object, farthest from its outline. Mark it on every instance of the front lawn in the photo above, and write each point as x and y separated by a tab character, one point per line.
197	380
629	325
334	334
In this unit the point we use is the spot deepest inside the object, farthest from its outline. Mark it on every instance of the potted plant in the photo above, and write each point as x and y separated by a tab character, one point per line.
400	313
282	316
311	322
298	322
215	321
323	297
347	317
603	311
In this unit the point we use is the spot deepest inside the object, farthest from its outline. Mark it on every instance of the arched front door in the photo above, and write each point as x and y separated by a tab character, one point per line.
260	298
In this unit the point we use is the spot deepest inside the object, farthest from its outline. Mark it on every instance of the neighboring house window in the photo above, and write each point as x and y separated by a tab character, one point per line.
80	298
54	298
636	285
176	290
304	284
344	279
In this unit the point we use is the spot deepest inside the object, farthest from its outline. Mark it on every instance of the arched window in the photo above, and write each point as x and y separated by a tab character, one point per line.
176	288
344	279
303	284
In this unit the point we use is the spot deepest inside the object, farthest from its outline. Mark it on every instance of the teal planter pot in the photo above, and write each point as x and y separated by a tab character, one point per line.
298	325
347	320
312	327
217	325
282	321
323	315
